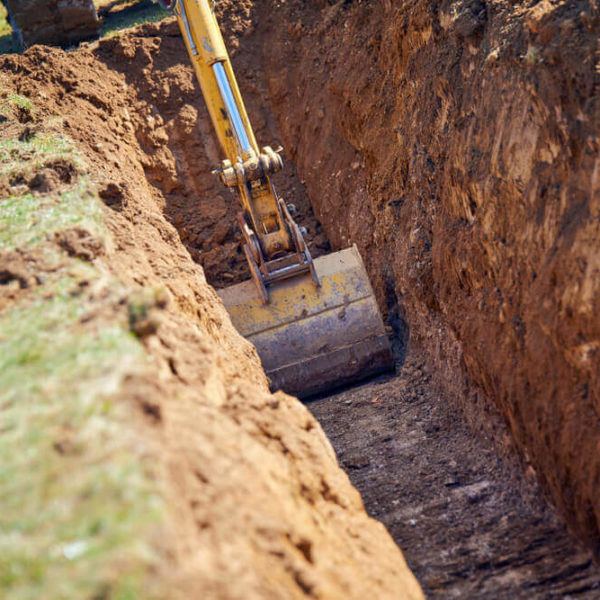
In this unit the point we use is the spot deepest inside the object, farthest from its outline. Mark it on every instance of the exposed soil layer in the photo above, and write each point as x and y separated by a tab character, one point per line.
457	144
52	21
176	135
258	507
433	484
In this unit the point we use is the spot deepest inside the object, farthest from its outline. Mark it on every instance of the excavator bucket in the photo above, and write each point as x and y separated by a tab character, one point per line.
311	339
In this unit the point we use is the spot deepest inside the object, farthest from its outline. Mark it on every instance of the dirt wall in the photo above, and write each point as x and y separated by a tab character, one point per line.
59	22
258	507
457	143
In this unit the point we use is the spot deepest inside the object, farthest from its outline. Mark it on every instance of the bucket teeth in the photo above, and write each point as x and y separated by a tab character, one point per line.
311	339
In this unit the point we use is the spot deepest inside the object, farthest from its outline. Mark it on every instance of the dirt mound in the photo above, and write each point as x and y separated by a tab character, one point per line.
258	507
474	130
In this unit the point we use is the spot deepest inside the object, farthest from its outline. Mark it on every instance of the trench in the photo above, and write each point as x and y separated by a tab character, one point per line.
471	521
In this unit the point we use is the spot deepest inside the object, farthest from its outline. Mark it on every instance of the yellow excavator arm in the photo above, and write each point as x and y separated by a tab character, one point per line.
315	324
274	246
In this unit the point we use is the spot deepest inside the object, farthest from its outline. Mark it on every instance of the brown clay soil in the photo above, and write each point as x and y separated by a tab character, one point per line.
258	507
475	130
435	463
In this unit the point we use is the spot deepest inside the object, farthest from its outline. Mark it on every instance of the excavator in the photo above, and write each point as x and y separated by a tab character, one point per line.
315	323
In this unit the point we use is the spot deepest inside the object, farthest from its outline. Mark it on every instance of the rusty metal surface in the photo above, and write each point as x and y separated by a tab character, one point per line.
312	339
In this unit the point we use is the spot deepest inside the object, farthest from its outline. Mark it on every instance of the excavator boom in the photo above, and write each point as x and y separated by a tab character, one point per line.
315	323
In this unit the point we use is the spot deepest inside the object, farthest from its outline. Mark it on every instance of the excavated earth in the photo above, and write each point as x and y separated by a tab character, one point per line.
46	21
258	506
475	130
457	145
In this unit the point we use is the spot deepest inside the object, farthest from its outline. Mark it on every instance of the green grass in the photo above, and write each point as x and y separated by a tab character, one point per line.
75	503
21	102
138	13
132	14
34	151
21	157
27	219
78	506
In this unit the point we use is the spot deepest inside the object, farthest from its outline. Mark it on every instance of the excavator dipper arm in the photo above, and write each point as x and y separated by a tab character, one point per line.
315	324
275	248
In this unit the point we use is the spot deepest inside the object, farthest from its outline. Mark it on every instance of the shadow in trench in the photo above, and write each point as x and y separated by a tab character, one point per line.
470	524
396	319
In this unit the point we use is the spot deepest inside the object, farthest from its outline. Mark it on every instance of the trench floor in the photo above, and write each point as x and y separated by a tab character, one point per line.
469	524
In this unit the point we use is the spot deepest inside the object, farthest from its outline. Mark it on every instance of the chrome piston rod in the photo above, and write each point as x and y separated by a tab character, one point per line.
233	112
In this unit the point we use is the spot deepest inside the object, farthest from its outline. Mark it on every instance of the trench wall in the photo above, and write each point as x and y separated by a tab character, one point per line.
458	144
